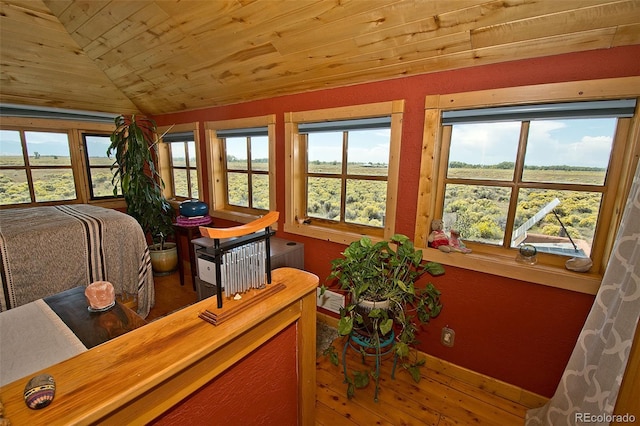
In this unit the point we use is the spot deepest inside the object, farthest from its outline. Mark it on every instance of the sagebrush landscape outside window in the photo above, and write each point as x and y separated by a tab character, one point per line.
35	166
247	169
347	175
99	166
184	169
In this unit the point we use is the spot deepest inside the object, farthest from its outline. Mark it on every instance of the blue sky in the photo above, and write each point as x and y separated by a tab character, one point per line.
584	142
365	146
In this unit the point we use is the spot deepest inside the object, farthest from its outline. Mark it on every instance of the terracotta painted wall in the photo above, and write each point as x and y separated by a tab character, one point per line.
514	331
262	389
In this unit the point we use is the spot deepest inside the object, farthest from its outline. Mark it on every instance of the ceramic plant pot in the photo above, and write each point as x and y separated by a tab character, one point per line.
164	261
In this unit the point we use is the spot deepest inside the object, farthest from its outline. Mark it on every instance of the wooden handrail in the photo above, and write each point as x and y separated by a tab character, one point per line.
238	231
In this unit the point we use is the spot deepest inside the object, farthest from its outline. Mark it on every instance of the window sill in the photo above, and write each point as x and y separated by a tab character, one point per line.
324	233
116	204
504	266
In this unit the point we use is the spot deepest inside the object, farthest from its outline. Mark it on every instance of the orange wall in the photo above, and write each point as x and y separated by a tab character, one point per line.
514	331
262	389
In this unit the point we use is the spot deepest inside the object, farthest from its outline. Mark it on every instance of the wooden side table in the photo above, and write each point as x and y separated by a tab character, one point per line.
190	232
92	328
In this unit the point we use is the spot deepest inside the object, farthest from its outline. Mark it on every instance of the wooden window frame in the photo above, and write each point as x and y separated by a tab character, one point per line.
296	172
497	260
166	163
218	175
79	166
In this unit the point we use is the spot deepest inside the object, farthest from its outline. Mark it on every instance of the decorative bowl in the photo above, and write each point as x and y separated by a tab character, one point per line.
193	208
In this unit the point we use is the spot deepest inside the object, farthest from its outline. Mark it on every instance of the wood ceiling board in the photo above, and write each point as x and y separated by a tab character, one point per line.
627	35
372	22
551	45
171	55
142	46
200	14
339	59
144	19
75	13
17	16
33	72
572	21
226	42
105	19
316	32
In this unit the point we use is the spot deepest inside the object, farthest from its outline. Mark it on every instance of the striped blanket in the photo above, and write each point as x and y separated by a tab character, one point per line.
46	250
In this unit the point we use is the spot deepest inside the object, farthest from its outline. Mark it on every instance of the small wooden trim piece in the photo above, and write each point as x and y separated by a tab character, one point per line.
238	231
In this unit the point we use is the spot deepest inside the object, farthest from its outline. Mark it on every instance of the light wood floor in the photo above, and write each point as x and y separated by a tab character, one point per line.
446	395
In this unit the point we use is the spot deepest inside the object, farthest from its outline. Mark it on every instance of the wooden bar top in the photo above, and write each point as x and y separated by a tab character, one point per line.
110	379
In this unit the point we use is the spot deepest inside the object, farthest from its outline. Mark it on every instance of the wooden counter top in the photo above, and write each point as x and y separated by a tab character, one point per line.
141	374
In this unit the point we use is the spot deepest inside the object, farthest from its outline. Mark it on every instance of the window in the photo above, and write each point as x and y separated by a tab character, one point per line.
184	165
36	167
247	168
99	166
41	162
545	174
342	172
347	170
242	155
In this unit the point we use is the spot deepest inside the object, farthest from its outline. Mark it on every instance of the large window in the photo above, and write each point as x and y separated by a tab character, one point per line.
342	173
347	170
528	180
47	161
547	174
242	157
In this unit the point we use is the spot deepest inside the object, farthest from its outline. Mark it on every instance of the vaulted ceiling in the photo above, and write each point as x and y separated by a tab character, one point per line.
159	56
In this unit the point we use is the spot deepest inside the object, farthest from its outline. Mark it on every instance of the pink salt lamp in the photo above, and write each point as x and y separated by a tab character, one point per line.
100	295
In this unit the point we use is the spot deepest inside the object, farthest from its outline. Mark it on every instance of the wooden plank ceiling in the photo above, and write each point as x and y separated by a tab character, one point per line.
170	55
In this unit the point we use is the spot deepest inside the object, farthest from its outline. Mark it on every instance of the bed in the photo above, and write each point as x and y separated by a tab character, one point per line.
49	249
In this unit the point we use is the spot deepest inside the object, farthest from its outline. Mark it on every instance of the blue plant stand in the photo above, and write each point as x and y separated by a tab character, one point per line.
364	344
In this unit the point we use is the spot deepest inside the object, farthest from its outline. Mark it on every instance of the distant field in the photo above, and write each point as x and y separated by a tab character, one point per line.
479	212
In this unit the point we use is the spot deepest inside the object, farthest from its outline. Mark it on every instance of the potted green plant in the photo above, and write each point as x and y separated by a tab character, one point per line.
134	146
384	307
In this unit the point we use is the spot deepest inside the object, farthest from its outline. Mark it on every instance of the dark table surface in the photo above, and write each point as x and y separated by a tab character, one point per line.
92	328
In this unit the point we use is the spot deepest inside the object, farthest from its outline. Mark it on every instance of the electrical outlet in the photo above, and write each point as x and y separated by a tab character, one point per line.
330	300
448	336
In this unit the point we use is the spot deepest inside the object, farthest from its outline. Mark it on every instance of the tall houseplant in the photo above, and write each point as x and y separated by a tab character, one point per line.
380	282
134	146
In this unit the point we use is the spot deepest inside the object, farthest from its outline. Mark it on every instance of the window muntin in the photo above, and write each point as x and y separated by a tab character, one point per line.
99	166
347	175
544	188
247	170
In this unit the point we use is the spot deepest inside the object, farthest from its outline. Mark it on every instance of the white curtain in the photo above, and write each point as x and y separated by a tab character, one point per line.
589	386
